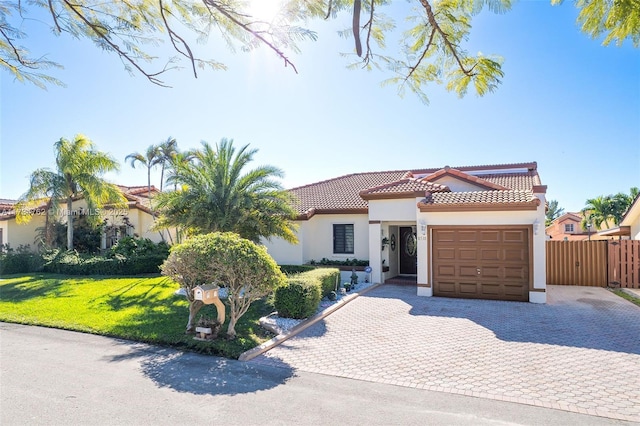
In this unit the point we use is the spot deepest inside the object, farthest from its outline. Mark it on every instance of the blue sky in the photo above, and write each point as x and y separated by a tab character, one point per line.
566	102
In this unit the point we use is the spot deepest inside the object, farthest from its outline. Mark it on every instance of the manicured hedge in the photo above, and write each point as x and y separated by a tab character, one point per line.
298	299
301	296
73	264
327	278
295	269
20	263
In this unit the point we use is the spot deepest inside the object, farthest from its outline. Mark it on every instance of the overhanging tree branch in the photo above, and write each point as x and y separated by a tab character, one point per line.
445	38
246	27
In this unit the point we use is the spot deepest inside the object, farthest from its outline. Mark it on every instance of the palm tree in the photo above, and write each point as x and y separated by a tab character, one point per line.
216	194
597	211
168	150
151	158
177	160
79	168
44	186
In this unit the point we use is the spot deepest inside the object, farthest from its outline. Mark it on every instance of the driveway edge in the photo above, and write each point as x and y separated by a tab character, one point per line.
259	350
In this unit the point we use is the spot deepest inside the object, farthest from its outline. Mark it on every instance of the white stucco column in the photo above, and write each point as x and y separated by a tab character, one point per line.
539	294
423	256
375	254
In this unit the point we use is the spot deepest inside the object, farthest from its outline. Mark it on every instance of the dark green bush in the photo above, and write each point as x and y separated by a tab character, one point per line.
19	261
72	263
346	262
296	269
300	298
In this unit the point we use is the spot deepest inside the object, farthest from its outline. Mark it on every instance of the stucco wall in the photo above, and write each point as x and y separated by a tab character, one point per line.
17	234
284	252
317	240
393	210
24	234
457	185
632	220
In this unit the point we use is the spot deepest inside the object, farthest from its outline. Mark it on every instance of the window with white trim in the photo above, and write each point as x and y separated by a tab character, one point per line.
568	228
343	241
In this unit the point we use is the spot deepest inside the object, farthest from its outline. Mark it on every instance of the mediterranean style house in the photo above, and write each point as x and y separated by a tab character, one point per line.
134	219
568	227
469	232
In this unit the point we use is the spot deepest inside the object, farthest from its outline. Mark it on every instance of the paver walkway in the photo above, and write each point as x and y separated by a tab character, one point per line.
580	352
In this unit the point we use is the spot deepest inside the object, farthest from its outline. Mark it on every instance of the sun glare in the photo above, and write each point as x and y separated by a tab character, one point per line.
264	10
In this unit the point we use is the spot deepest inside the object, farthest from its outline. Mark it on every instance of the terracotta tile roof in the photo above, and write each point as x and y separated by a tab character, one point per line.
506	184
481	197
487	167
341	193
467	177
519	181
404	187
480	201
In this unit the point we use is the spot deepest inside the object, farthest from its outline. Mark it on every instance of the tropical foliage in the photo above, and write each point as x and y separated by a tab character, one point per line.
150	159
245	269
430	51
79	171
216	194
607	209
554	211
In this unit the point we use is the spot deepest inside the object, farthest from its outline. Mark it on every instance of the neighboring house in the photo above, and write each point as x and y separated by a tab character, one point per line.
629	225
474	232
134	219
568	227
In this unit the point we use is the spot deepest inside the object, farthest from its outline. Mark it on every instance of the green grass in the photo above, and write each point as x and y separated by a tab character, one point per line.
142	308
627	296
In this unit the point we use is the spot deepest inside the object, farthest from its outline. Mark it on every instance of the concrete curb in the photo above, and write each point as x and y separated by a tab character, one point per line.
259	350
631	292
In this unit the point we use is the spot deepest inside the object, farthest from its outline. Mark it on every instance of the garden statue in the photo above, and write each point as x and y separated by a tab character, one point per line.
354	278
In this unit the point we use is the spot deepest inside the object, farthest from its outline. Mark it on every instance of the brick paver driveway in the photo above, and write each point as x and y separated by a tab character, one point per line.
580	352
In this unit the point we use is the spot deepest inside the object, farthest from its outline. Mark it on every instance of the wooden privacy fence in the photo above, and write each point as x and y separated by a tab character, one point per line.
624	263
594	263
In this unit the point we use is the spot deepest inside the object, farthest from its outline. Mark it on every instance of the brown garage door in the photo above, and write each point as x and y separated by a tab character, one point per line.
481	263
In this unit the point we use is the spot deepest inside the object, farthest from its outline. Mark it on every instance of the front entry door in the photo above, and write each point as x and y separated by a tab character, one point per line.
408	251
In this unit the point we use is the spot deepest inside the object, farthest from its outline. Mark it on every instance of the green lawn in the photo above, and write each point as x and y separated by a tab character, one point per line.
140	308
629	297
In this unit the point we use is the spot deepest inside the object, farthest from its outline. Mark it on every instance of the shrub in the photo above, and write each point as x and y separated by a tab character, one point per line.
346	262
132	246
298	299
327	278
296	269
226	259
19	261
302	294
73	263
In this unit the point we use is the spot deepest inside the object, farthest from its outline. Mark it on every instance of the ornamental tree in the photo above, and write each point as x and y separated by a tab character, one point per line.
244	268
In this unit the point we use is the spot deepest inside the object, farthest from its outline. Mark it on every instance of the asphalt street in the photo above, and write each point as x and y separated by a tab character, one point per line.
57	377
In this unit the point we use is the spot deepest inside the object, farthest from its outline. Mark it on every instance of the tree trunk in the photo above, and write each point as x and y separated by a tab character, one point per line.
47	226
194	308
231	330
69	223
